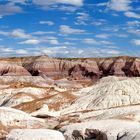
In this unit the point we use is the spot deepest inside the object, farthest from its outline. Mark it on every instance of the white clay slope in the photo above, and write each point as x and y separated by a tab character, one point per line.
14	96
109	92
34	134
10	117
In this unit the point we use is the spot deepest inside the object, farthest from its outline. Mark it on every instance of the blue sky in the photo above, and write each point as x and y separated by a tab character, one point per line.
70	28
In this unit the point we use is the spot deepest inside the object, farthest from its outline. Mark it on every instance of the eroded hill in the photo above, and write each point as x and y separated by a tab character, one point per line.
84	99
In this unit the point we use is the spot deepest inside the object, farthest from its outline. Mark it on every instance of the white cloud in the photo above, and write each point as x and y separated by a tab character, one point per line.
4	33
82	18
30	41
50	23
106	42
21	52
113	28
18	1
19	33
72	39
51	2
68	43
90	41
120	35
31	38
120	5
16	33
54	42
9	9
93	41
54	51
96	23
62	5
6	50
136	42
102	4
49	39
43	32
68	30
63	51
134	31
112	52
133	23
103	36
132	15
66	8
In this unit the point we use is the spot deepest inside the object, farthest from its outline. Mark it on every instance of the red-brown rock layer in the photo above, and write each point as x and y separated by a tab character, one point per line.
76	69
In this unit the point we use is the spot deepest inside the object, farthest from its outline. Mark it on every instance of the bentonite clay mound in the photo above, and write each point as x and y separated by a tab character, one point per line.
12	118
109	92
6	68
35	134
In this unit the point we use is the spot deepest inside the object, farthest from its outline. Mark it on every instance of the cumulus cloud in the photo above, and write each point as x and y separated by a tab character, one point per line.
65	29
21	52
30	41
106	42
133	23
61	51
66	8
49	39
64	51
50	23
95	42
120	35
43	32
51	2
136	42
120	5
18	1
98	22
90	41
31	38
9	51
9	9
103	36
19	33
132	15
4	33
6	49
82	18
14	6
53	41
134	31
16	33
102	4
113	52
62	5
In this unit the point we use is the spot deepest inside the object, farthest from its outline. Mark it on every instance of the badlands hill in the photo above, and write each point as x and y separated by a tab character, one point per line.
70	99
82	68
